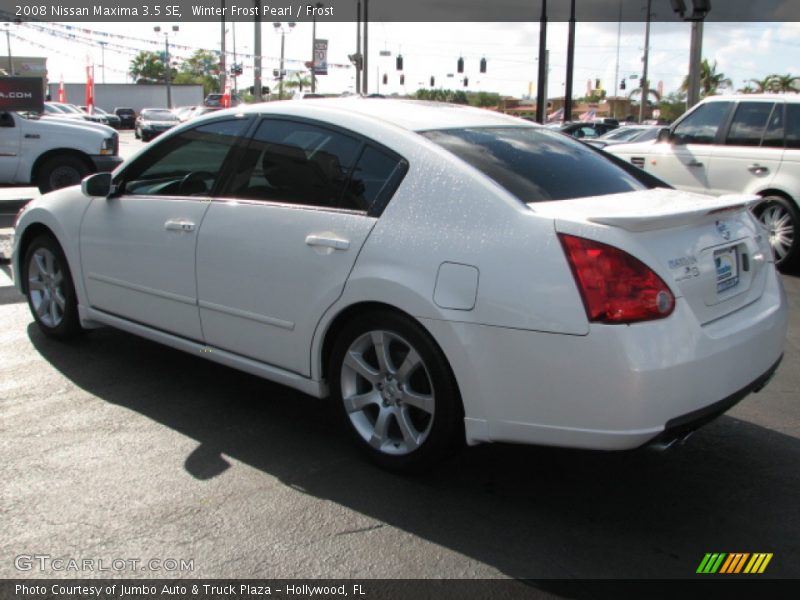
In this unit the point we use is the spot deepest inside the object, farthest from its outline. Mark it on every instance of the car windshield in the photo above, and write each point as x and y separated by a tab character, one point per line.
536	164
159	115
70	109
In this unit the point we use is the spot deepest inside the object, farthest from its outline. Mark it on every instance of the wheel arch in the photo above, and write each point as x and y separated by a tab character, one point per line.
42	159
30	233
775	192
353	311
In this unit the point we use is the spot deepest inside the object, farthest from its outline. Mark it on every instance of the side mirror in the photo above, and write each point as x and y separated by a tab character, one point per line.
664	135
96	185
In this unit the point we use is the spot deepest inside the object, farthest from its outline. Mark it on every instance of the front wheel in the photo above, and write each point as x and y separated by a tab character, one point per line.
61	171
397	393
780	217
49	288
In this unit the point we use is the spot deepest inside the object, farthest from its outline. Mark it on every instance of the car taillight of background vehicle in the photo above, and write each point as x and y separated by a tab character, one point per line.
615	286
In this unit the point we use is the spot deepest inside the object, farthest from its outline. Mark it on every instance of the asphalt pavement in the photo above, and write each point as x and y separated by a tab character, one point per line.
117	448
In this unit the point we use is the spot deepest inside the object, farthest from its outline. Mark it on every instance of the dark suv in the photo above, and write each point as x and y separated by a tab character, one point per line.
127	117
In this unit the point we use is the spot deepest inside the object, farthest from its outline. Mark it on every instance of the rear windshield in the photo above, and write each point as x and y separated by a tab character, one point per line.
536	164
159	115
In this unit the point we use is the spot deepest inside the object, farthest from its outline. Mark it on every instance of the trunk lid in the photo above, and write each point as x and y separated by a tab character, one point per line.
709	250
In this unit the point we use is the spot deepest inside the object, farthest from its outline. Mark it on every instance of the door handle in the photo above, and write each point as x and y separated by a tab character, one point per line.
327	242
694	163
179	226
758	169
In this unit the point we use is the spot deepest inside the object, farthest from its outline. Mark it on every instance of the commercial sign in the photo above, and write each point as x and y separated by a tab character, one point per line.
321	57
24	94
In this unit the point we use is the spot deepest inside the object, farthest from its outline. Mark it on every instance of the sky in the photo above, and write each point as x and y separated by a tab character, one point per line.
743	51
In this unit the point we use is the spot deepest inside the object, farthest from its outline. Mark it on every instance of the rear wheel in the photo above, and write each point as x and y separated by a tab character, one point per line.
780	217
396	391
49	288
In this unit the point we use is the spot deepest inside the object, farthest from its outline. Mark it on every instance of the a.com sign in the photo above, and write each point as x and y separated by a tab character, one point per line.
22	94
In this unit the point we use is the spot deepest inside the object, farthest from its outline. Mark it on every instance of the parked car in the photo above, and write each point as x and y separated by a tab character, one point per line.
586	130
70	111
52	153
624	135
127	117
154	121
440	272
215	100
184	113
108	119
736	144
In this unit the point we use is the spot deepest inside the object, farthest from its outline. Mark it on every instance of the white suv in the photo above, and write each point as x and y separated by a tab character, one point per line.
736	144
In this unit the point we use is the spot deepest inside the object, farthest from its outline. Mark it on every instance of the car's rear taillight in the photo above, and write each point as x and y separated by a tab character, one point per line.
615	286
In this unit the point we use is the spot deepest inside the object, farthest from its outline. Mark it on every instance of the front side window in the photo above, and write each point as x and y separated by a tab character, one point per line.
749	123
536	164
701	126
187	164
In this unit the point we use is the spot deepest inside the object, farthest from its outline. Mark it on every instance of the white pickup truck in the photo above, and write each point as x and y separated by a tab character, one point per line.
52	153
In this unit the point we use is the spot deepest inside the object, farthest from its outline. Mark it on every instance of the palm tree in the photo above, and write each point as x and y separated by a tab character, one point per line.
147	67
747	89
767	84
786	83
298	80
710	80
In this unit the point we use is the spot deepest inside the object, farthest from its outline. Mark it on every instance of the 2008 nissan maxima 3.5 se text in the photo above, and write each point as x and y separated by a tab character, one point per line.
442	273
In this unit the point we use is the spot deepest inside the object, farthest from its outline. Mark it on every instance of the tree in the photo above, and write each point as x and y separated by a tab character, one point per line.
442	95
672	106
786	83
147	67
483	99
298	80
767	84
710	80
201	68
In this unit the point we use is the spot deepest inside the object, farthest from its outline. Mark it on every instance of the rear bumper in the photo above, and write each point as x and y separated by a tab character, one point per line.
103	163
679	427
620	386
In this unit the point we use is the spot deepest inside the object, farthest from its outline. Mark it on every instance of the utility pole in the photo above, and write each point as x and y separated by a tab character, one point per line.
103	59
257	52
358	47
570	64
644	85
235	64
279	28
365	60
700	8
222	65
314	48
167	62
8	42
542	82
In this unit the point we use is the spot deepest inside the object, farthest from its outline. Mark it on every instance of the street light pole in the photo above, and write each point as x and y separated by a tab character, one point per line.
644	85
8	41
257	52
358	47
365	60
280	28
570	64
314	48
167	62
222	35
542	81
103	59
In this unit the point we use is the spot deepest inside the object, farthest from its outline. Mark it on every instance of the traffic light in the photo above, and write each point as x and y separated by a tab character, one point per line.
399	62
460	64
466	81
433	81
402	79
385	79
622	85
483	65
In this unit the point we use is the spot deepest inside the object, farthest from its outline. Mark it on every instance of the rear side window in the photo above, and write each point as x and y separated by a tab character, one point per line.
792	125
296	163
749	123
535	164
701	126
373	180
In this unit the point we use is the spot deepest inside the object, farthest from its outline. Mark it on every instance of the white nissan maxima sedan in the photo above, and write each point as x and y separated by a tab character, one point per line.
441	273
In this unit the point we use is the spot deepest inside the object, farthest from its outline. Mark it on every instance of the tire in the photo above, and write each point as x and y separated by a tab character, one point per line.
61	171
782	220
403	410
49	289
